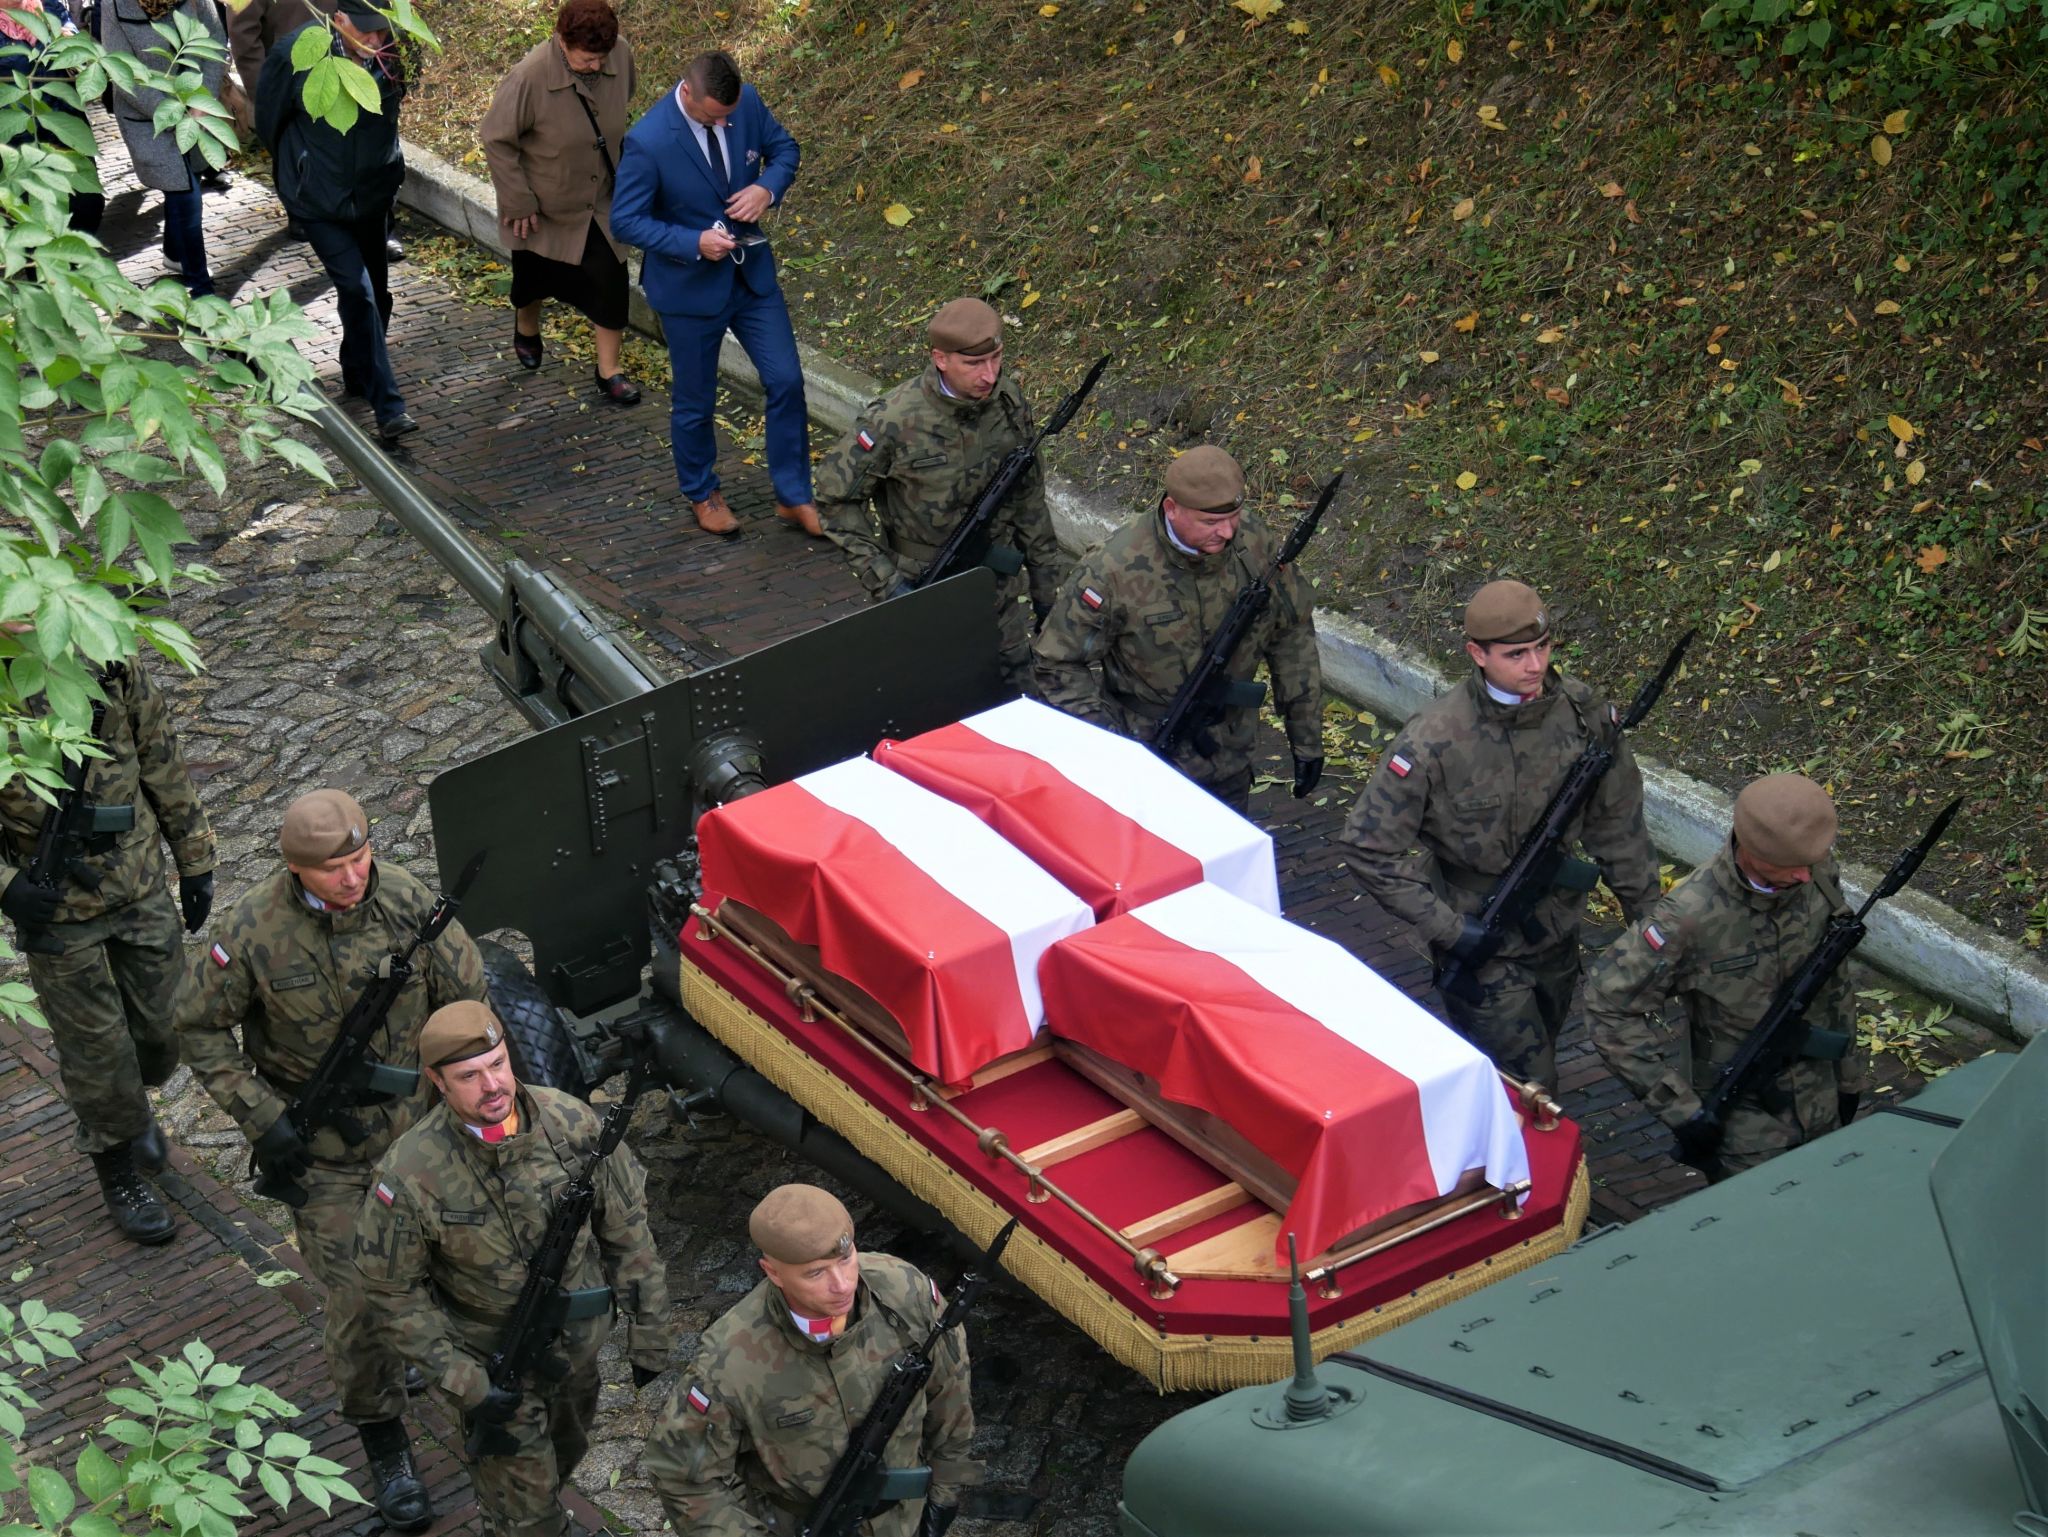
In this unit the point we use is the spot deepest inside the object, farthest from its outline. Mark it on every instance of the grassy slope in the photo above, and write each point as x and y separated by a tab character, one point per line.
1578	306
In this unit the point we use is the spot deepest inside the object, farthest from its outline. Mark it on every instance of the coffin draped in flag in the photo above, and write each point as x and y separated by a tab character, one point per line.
1367	1101
905	895
1101	813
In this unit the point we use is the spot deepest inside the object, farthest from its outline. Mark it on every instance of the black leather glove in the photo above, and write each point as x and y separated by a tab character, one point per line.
936	1519
642	1375
1846	1106
195	899
1471	937
1699	1144
1308	773
498	1406
282	1153
31	906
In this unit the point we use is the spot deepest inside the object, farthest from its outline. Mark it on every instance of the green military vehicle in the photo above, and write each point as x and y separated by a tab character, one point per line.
1848	1340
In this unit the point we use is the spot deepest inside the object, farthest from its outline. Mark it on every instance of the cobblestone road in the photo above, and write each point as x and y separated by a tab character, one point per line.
340	654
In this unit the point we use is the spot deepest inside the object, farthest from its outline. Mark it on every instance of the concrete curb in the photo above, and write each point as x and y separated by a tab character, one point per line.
1911	935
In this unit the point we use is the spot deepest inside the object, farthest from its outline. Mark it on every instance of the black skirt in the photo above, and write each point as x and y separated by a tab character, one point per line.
596	285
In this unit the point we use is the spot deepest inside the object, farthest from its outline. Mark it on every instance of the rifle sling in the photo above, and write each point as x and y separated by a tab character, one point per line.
580	1303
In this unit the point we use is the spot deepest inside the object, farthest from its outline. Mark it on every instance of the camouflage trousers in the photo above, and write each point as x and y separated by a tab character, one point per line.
108	1000
520	1494
1752	1134
368	1375
1013	644
1521	1011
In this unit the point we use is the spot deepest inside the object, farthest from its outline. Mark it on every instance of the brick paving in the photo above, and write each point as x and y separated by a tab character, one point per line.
337	650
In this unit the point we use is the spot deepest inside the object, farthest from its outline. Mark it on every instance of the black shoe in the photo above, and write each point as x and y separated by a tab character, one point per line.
294	230
619	390
156	1062
415	1382
149	1150
214	179
394	248
138	1211
526	348
401	1499
392	428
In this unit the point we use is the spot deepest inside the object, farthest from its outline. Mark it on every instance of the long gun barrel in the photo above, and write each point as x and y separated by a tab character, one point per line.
346	1077
860	1485
1781	1036
1207	692
543	1307
1530	873
551	656
967	545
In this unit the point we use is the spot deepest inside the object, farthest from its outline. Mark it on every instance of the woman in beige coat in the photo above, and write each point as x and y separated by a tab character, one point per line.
551	139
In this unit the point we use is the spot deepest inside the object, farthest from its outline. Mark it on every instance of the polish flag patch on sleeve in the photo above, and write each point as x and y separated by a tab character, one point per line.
699	1399
937	1300
866	442
221	958
1654	936
386	1194
1091	597
1401	766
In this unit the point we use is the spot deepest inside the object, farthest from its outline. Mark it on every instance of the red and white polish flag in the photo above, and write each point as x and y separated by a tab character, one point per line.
1102	813
1343	1080
905	895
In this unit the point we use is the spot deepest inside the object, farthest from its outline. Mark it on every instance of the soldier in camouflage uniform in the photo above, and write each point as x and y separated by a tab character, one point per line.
290	957
891	493
758	1422
1718	946
1456	794
102	943
1129	627
443	1241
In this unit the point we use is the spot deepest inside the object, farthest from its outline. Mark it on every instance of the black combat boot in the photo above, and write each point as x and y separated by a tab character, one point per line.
138	1211
401	1499
149	1150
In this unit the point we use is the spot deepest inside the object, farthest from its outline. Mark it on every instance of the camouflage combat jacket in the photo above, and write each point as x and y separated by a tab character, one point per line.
1460	788
919	456
758	1421
144	768
448	1226
1129	627
285	974
1719	948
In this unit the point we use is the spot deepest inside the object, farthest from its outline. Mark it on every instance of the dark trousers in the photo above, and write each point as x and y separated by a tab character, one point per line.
760	322
354	257
185	239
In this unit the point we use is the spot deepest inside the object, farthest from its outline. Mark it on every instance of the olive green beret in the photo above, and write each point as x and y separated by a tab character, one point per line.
1785	819
1506	613
1206	479
457	1031
966	325
799	1224
322	825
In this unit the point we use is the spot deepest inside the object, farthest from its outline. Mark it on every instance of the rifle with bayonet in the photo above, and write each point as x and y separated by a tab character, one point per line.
968	545
67	825
348	1077
860	1486
1783	1035
543	1306
1531	873
1209	691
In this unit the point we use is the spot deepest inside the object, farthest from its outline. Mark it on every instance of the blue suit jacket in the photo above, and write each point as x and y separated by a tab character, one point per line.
664	199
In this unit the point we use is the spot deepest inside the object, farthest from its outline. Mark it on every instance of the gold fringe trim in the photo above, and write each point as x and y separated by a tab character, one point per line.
1171	1362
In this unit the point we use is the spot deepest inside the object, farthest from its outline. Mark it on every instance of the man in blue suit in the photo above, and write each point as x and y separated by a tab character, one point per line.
695	176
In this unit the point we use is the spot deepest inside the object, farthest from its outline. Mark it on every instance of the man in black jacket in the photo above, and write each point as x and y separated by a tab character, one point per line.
340	186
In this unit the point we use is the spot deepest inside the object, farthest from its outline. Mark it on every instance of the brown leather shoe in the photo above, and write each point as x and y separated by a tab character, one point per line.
714	517
804	515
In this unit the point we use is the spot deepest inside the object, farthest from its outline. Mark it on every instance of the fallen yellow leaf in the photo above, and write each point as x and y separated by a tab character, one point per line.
1454	50
1028	300
896	214
1901	428
1881	149
1887	306
1488	113
1788	391
1048	11
1465	322
909	79
1610	189
1751	149
1430	357
1259	10
1463	210
1298	28
1930	557
1253	170
1916	472
1901	264
1467	480
1895	122
1389	75
1777	559
1550	335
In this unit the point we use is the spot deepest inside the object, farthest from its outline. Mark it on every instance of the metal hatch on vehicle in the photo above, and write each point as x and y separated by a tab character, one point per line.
1745	1328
